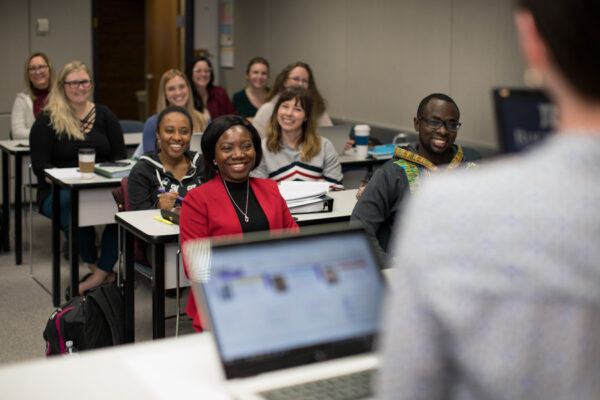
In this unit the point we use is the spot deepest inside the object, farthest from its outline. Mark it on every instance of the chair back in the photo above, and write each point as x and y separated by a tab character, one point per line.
121	196
131	126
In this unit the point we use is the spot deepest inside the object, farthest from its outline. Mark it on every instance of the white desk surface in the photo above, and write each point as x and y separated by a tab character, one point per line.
71	176
350	156
20	145
145	222
343	204
174	368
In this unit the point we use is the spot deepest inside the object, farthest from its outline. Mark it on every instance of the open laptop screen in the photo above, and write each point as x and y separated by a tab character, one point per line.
289	301
523	117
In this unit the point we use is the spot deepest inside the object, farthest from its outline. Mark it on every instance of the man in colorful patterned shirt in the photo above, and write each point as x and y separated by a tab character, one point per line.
437	123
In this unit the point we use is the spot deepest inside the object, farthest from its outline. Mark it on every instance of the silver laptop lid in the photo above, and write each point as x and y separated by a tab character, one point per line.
285	301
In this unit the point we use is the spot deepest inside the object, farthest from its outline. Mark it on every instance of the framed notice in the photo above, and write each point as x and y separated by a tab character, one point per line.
226	33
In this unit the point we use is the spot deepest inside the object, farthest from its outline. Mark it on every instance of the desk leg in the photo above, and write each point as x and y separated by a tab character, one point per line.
74	240
55	245
158	291
129	286
5	204
18	210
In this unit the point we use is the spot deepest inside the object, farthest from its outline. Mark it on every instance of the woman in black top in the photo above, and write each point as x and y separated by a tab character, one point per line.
70	121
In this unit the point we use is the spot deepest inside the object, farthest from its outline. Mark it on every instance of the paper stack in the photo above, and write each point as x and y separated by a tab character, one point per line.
306	197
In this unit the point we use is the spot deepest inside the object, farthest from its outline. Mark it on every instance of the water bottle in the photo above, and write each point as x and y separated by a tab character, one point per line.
70	348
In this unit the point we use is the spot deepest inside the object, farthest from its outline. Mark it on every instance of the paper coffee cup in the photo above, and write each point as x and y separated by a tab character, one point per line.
361	139
87	159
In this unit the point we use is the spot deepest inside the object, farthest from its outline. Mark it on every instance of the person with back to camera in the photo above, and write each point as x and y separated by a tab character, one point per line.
293	149
231	202
247	100
69	122
437	122
173	90
496	286
39	76
209	99
161	178
297	74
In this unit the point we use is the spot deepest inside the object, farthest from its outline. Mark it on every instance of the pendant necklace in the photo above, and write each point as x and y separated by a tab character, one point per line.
244	213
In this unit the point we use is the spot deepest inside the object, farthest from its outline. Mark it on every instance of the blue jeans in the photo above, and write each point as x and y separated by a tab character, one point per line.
87	235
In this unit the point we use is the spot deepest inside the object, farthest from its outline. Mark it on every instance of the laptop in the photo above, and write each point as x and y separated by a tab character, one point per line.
291	310
337	134
523	116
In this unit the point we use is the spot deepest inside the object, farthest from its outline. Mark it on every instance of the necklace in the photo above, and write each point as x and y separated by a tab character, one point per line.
244	213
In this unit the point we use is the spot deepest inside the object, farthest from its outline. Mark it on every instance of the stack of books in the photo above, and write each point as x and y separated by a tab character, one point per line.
114	169
306	197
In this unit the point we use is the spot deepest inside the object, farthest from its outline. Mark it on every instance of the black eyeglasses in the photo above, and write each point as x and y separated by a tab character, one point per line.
38	68
75	84
436	123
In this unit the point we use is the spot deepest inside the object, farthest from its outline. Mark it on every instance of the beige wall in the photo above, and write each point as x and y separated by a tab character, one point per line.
70	38
375	59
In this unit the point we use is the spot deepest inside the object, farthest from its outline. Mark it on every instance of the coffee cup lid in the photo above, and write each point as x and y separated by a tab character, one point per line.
87	151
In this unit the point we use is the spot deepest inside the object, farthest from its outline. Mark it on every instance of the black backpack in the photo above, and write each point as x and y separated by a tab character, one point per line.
88	322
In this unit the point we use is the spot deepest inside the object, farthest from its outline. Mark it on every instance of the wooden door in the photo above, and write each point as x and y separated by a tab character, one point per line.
119	63
163	44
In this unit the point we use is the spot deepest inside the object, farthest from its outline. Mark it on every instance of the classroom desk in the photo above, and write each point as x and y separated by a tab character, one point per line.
142	224
158	235
91	204
19	149
350	160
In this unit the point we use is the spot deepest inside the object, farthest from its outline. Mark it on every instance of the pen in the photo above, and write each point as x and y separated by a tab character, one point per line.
164	191
166	221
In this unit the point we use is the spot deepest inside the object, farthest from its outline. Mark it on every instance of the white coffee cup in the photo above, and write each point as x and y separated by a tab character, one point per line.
361	139
87	159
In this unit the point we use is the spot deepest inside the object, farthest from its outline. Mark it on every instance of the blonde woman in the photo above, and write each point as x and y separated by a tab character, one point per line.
173	90
71	121
39	76
293	149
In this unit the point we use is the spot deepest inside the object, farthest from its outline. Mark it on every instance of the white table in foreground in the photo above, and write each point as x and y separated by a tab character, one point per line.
175	368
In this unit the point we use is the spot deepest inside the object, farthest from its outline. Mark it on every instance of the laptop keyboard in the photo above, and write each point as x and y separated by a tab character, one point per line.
346	387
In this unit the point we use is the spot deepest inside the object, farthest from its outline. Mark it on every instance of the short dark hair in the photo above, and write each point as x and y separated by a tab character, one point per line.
172	109
198	104
214	131
439	96
571	30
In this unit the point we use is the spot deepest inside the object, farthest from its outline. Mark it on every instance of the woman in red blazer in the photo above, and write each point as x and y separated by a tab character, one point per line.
231	203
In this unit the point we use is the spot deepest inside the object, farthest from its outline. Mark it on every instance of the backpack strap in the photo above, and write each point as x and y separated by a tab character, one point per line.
110	300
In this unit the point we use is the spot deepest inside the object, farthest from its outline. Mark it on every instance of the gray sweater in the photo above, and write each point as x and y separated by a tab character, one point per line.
286	165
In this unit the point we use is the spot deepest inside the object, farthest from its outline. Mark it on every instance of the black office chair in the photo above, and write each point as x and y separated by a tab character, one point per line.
131	126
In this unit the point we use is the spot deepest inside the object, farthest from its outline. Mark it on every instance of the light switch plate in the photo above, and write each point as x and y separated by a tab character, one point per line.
43	26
